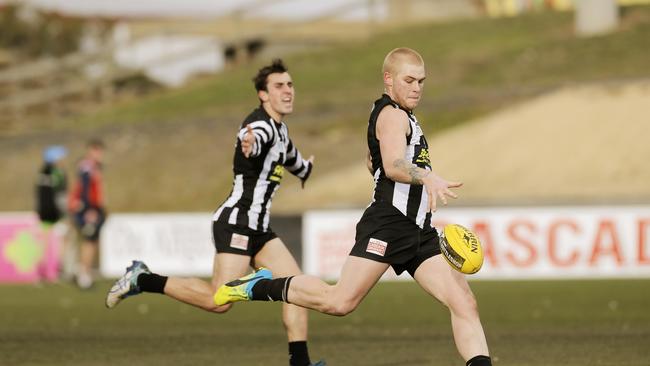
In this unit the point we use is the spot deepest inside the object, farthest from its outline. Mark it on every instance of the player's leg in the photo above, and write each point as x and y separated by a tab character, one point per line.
358	276
87	255
193	291
367	262
451	288
197	292
276	257
69	250
89	229
232	261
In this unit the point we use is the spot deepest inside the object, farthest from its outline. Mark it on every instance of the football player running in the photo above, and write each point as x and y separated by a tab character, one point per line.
241	232
395	230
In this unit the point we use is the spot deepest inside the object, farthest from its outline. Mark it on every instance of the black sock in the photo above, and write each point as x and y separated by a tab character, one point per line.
272	290
298	355
151	282
479	360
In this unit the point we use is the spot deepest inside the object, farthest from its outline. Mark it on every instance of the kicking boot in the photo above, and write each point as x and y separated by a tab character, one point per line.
127	285
240	289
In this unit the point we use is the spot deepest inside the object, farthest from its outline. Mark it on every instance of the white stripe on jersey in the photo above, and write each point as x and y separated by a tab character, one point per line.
263	133
401	196
237	190
262	183
299	162
402	190
374	189
424	201
233	216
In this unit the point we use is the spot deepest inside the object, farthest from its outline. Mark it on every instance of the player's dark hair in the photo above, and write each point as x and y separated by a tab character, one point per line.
260	80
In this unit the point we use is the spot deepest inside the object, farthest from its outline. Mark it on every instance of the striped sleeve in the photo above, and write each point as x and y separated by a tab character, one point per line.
296	164
263	135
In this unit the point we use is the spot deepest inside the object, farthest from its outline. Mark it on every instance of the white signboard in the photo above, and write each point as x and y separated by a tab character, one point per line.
170	244
519	243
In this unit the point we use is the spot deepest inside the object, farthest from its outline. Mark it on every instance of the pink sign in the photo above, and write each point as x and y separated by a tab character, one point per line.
28	251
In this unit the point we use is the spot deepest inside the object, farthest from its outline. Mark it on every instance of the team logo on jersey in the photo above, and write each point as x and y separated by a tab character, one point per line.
423	157
239	241
376	246
277	174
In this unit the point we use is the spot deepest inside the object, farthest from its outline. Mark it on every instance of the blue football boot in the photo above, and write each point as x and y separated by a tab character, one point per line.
127	285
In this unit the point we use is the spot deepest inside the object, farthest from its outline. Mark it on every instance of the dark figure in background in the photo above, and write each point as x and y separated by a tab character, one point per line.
51	186
86	205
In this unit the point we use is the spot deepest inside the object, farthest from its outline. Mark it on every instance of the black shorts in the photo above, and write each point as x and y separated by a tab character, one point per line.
385	235
242	240
88	230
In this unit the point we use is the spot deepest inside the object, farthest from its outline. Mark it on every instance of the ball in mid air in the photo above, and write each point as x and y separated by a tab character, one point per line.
461	248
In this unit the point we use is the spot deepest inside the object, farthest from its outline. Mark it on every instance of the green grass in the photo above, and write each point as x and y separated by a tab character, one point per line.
532	323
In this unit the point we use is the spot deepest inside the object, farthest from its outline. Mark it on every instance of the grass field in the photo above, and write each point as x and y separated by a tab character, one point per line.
604	322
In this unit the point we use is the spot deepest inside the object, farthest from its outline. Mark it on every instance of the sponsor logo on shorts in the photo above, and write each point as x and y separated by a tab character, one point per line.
376	246
239	241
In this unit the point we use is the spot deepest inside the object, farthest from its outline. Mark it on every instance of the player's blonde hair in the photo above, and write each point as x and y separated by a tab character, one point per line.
399	56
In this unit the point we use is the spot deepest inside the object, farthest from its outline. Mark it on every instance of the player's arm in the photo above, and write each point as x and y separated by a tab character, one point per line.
296	165
392	129
253	137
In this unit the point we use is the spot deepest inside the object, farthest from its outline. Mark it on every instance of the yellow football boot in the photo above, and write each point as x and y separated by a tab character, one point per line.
240	289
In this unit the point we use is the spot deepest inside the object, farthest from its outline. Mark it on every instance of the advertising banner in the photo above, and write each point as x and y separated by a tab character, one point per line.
518	242
173	244
29	252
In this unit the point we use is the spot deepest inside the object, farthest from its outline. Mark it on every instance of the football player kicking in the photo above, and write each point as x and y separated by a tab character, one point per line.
395	230
240	228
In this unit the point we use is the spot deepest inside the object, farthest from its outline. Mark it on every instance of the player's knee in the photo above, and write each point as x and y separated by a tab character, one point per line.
464	303
341	307
209	305
218	309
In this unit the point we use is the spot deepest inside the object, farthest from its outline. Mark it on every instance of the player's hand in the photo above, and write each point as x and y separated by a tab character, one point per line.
248	141
438	187
311	162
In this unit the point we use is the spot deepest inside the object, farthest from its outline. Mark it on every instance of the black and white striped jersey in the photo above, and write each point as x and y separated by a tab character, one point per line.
258	176
410	199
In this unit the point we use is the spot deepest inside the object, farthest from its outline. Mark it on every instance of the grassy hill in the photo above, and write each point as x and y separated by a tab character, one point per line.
173	150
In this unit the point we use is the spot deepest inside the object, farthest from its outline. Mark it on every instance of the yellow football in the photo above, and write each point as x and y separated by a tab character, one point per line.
461	248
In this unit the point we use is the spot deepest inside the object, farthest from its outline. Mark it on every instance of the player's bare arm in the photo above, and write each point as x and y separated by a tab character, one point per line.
417	174
311	162
392	129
